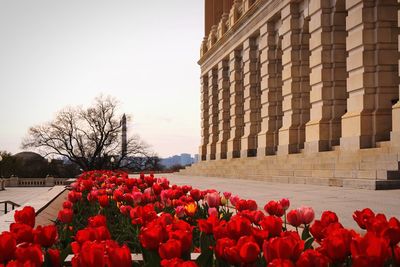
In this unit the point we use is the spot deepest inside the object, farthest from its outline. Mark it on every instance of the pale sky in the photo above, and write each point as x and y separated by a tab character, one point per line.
55	53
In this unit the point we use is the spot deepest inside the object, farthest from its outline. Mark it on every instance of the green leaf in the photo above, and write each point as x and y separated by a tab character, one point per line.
306	233
151	258
308	243
207	254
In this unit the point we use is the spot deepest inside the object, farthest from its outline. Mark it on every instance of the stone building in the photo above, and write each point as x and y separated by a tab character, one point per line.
301	92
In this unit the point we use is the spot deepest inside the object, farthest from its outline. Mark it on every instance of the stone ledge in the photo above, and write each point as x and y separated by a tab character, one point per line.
39	204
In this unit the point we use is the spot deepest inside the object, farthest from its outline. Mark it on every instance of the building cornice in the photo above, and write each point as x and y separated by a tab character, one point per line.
244	27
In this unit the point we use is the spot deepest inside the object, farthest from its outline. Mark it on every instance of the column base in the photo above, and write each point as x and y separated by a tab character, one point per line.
316	146
248	153
221	155
233	154
265	151
210	157
395	139
287	149
354	143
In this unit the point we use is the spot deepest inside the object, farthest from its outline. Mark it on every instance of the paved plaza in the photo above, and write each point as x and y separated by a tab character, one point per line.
21	195
343	201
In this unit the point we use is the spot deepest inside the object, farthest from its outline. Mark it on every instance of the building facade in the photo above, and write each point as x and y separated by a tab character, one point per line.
301	91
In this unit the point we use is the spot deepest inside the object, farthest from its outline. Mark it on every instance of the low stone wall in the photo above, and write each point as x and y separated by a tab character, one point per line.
2	184
34	182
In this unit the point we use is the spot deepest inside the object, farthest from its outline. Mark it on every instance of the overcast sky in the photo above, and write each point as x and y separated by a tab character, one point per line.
55	53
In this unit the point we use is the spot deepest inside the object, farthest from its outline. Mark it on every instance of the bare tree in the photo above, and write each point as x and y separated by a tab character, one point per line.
89	137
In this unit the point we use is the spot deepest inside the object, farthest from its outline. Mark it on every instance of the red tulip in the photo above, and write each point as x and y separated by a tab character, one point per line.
185	238
103	200
171	249
369	250
281	263
328	217
7	246
65	215
213	199
195	194
221	230
54	257
397	255
285	203
67	204
239	226
74	196
288	246
29	255
248	249
92	254
337	245
22	232
98	220
361	217
175	262
306	214
46	236
26	216
294	218
312	258
272	224
206	226
392	232
274	208
151	236
221	245
119	257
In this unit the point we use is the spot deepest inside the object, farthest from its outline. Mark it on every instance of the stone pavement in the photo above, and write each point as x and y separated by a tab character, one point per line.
343	201
20	195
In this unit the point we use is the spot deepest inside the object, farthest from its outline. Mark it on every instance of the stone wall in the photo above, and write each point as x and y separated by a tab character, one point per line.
34	182
299	77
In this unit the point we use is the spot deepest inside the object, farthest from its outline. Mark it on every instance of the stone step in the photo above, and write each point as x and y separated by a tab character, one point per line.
383	144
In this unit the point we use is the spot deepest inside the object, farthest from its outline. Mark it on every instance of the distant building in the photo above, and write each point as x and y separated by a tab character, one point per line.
183	159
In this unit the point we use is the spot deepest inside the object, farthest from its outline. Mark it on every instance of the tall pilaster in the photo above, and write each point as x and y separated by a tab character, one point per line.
271	88
213	113
208	16
251	94
236	103
395	135
204	118
223	109
295	78
328	74
372	66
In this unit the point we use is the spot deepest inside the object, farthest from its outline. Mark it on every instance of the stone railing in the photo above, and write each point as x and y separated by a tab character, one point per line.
2	184
33	182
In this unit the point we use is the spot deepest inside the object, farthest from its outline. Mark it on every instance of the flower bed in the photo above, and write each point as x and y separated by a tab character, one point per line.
108	217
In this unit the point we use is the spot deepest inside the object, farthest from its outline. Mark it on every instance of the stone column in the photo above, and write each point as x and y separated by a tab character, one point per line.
213	113
395	135
372	66
271	89
223	109
208	16
236	103
251	94
204	118
218	10
13	181
295	78
328	74
227	5
49	181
